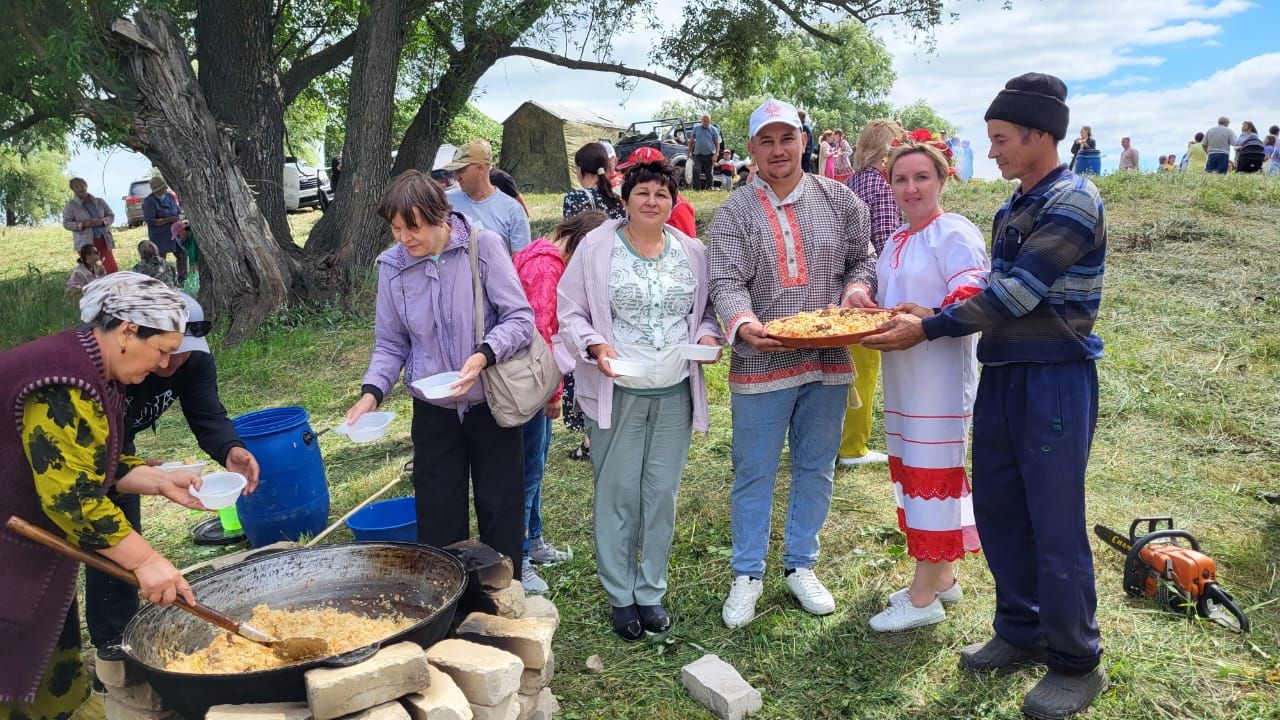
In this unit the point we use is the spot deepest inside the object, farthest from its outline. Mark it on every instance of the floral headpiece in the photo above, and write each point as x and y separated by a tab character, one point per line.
922	136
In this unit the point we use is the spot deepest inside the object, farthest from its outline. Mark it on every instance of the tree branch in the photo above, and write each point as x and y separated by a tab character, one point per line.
800	22
313	66
23	125
617	68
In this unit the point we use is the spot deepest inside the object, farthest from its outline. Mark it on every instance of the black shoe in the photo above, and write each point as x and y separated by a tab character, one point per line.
111	651
656	620
998	655
1059	695
626	623
582	452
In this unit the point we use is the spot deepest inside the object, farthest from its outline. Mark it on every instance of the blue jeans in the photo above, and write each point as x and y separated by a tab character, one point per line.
1217	163
537	441
809	417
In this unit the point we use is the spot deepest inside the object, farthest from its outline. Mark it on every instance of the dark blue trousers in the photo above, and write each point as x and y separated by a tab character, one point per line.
1032	428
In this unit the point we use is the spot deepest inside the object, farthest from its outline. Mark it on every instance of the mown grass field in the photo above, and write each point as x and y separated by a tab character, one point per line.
1189	426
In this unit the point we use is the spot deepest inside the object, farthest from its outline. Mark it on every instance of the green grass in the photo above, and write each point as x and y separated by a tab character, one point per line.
1189	426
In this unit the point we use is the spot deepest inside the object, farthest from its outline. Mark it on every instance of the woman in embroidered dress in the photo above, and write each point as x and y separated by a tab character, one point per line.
935	260
638	289
60	444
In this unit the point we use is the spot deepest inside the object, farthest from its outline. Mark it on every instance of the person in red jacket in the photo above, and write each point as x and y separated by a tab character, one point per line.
682	216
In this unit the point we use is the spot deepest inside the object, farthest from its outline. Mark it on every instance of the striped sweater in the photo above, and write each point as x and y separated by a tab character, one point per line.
1048	256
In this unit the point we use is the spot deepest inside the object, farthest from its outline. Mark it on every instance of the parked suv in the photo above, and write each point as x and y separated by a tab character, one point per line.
138	191
305	186
669	135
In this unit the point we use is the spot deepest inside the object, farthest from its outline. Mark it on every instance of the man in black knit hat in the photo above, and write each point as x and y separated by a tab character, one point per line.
1037	401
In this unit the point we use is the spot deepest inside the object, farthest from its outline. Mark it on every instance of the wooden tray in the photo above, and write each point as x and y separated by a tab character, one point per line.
831	341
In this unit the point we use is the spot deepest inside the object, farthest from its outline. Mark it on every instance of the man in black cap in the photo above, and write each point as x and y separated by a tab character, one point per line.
1037	402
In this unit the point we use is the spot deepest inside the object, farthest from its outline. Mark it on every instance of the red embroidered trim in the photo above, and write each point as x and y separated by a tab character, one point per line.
780	246
938	545
929	483
928	417
783	374
924	442
971	269
734	320
962	293
802	277
901	237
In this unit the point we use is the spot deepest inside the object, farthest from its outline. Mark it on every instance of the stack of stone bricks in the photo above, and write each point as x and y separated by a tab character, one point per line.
497	665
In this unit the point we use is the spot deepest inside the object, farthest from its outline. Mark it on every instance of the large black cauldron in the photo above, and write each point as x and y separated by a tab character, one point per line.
418	581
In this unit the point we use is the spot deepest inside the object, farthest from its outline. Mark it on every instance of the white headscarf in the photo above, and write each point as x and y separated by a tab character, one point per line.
136	298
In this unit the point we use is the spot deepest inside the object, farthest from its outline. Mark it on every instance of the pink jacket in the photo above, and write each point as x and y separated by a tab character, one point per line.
540	266
585	320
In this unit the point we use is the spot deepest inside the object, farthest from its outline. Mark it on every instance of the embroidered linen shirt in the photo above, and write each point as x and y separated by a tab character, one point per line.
650	300
773	257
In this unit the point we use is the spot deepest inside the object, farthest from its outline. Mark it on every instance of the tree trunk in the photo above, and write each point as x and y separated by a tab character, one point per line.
238	77
245	274
351	231
10	219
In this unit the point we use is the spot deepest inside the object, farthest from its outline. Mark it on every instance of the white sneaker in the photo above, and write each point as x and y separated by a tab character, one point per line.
871	458
740	607
810	591
542	552
530	580
950	596
904	616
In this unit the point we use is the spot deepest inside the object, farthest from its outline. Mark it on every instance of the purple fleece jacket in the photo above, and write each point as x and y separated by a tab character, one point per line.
424	322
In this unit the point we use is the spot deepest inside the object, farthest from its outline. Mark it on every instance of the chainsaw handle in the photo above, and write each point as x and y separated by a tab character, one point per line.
1134	557
1218	596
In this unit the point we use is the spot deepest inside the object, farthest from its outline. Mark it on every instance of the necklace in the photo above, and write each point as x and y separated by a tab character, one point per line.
630	235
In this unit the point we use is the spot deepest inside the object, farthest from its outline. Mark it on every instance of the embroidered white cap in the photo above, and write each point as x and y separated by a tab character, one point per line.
774	111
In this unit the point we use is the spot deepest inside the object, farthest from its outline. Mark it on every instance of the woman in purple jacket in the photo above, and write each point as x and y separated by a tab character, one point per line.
423	326
637	289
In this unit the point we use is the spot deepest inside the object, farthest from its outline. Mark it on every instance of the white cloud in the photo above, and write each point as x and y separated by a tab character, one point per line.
1130	81
1211	44
1083	42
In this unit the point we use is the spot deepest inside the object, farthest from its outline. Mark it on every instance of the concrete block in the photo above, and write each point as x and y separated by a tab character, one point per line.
508	602
442	700
532	681
138	695
260	711
116	710
506	709
527	638
718	687
386	711
116	673
487	567
393	672
540	706
540	606
486	675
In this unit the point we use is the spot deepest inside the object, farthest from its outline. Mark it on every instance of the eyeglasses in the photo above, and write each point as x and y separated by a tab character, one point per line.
199	328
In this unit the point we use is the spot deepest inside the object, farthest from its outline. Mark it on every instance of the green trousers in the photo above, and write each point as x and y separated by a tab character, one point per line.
638	462
857	420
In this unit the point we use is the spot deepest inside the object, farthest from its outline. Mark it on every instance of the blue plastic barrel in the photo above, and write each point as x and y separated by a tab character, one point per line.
393	520
1089	162
292	498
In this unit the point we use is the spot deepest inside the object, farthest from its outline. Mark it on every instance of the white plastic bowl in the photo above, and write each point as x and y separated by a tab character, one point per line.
177	465
700	353
437	387
368	427
632	368
220	489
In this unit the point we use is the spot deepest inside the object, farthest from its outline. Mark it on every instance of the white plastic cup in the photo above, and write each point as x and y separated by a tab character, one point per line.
220	489
368	427
437	387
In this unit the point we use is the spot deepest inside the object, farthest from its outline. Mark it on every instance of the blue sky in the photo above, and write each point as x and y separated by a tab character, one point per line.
1155	70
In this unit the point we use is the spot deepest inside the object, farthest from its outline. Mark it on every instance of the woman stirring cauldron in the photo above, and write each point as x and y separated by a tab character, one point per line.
61	430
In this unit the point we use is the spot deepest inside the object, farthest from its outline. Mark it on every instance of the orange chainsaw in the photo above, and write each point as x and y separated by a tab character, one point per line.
1159	567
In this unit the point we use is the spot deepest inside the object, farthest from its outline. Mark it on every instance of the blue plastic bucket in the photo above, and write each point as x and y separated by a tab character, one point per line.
386	520
1089	162
292	498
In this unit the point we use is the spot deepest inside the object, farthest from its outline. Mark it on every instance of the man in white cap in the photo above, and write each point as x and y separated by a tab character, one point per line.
478	198
788	242
190	377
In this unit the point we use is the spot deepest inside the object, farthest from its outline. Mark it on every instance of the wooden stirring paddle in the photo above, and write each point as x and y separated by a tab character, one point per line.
295	648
